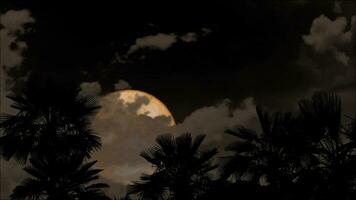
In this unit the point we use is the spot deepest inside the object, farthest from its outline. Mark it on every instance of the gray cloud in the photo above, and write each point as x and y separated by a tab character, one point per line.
214	120
330	36
163	41
122	85
11	175
90	89
332	61
160	41
13	21
125	133
11	49
337	7
206	31
189	37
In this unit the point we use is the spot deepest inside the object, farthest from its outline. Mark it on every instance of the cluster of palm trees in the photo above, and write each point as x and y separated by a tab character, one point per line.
308	155
51	135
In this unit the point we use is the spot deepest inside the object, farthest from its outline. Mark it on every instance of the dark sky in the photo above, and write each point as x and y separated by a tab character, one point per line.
209	62
252	48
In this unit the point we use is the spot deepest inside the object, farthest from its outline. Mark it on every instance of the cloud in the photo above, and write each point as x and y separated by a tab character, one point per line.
189	37
90	89
125	133
329	56
214	120
13	22
11	175
122	85
160	41
337	7
206	31
330	36
163	41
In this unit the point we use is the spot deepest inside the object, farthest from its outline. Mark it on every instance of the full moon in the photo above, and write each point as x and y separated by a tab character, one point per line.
128	123
153	108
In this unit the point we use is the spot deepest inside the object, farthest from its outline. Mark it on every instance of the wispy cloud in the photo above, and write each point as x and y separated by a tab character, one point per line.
163	41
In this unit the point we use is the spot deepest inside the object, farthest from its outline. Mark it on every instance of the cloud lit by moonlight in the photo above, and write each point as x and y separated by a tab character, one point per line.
128	123
130	120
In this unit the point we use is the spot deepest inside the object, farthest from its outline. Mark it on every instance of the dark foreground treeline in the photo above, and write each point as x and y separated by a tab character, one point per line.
309	155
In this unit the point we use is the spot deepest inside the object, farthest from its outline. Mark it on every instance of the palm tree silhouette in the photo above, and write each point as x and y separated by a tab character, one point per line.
262	158
334	173
48	118
308	156
181	169
60	178
151	187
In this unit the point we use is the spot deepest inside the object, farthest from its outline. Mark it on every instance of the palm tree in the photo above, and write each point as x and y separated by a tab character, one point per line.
334	173
60	178
310	155
151	187
48	118
181	169
262	158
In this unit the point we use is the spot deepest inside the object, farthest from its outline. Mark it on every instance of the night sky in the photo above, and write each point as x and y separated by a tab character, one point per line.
210	63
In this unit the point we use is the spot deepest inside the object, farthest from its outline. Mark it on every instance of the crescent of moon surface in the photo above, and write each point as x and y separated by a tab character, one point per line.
153	108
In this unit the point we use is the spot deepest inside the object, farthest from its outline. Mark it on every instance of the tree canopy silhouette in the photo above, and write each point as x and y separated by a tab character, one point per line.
266	158
48	117
307	156
60	178
333	175
181	169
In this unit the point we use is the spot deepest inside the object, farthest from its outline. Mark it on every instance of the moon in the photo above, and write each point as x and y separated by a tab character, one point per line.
128	123
153	108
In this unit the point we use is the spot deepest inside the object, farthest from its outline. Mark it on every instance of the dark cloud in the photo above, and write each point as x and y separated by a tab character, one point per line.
226	39
13	22
122	85
337	7
189	37
11	175
90	89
